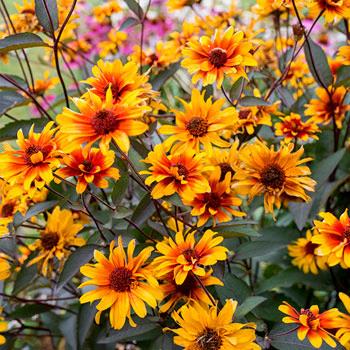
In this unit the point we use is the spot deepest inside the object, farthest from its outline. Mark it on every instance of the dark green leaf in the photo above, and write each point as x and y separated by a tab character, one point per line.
20	41
237	229
248	305
234	288
343	76
236	89
77	259
30	310
257	248
285	95
5	85
135	7
10	99
24	277
9	131
46	11
85	320
68	327
120	189
249	101
318	64
129	22
158	81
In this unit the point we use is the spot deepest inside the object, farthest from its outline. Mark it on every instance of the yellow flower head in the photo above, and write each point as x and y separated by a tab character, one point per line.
103	12
343	323
111	46
344	54
334	10
227	53
179	4
5	267
3	328
123	282
41	86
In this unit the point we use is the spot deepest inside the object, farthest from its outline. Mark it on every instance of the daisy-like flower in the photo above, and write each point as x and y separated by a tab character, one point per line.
112	45
5	267
176	172
186	255
215	204
89	165
303	252
211	59
41	86
199	124
179	4
323	108
292	127
334	238
123	79
3	328
123	282
278	175
333	9
103	12
191	290
311	323
267	7
203	327
34	162
59	234
343	323
344	55
103	120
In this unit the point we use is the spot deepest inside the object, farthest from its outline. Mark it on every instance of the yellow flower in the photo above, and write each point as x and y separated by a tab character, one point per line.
123	283
267	7
278	175
303	252
344	55
112	45
185	255
5	267
103	12
199	124
205	327
59	234
343	323
228	53
41	86
333	9
179	4
3	328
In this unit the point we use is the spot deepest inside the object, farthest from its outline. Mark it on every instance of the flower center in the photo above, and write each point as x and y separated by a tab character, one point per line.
121	279
217	57
181	170
87	165
243	114
273	176
116	92
309	314
49	240
310	248
225	168
7	210
197	126
347	233
187	286
190	254
209	340
212	200
33	149
104	122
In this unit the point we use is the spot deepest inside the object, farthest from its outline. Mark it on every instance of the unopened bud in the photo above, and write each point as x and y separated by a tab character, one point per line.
298	31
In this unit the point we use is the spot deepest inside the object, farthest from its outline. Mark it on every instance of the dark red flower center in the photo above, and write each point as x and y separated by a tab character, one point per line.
33	149
225	168
347	233
243	114
218	57
213	200
49	240
210	339
309	314
88	166
310	248
116	92
181	170
7	210
197	126
187	287
273	176
121	279
104	122
190	254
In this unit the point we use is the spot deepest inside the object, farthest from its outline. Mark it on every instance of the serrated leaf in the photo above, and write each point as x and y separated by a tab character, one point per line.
20	41
9	131
250	101
10	99
120	189
257	248
158	81
128	23
318	63
248	305
47	15
135	7
75	260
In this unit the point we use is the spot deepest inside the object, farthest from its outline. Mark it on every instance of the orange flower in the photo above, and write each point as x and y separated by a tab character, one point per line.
103	120
323	109
215	204
34	162
343	323
228	53
333	9
334	238
311	323
176	173
199	124
185	255
293	128
89	166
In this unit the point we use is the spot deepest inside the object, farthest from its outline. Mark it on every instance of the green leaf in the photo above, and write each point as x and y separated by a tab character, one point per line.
158	81
135	7
24	277
128	23
85	320
120	189
47	15
5	85
10	99
257	248
77	259
343	76
248	305
318	64
234	288
33	211
285	95
237	229
249	101
236	89
9	131
28	311
20	41
68	327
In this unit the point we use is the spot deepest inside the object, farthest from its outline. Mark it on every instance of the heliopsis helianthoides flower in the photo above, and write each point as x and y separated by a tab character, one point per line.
59	235
312	324
111	46
303	252
334	238
179	4
225	160
344	55
293	128
3	328
199	124
278	175
41	86
186	255
267	7
176	172
191	290
343	323
34	162
5	267
89	165
103	121
204	327
103	12
124	80
123	282
226	54
332	9
216	204
322	109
